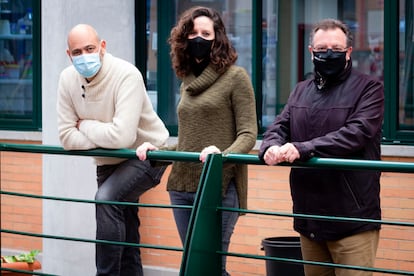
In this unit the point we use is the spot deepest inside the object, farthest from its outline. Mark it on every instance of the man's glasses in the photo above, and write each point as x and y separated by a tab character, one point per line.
325	49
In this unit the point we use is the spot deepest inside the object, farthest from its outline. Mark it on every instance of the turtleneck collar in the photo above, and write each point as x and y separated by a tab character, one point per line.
195	85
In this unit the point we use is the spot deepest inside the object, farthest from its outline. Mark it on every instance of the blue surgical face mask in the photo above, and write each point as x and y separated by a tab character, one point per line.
87	64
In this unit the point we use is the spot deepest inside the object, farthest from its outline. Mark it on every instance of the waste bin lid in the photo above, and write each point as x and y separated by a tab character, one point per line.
281	241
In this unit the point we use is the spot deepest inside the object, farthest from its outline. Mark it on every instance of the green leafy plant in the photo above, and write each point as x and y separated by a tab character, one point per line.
29	257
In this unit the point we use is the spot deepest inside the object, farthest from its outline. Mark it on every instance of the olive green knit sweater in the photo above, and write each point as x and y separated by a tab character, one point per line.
215	110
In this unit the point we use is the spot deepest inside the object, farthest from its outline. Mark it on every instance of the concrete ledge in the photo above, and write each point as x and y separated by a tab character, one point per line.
397	150
160	271
21	135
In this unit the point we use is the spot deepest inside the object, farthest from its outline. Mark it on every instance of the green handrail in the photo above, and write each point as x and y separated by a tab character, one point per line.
315	162
333	163
202	250
121	153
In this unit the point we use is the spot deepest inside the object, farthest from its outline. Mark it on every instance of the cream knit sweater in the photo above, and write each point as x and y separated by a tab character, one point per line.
115	110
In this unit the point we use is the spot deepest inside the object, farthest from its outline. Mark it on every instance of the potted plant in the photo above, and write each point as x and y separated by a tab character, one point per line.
23	261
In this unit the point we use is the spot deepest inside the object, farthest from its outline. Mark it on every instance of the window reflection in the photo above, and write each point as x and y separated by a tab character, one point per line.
269	62
237	17
285	58
152	51
16	74
365	19
406	65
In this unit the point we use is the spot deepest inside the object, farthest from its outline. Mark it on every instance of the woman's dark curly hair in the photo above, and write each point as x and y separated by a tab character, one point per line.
222	54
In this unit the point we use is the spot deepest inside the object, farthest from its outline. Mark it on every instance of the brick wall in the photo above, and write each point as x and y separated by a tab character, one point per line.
21	172
268	190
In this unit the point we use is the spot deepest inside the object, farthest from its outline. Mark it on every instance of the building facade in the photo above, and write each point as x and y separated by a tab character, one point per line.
271	37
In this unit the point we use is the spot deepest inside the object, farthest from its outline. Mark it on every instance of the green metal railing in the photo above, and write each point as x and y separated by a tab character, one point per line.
202	250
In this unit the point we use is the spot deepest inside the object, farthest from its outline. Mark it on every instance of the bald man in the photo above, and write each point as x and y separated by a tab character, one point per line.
102	103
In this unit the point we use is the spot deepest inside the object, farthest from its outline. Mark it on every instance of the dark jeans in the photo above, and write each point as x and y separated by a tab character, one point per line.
229	219
124	182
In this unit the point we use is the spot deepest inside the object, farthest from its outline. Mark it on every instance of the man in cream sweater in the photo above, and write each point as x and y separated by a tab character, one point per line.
102	103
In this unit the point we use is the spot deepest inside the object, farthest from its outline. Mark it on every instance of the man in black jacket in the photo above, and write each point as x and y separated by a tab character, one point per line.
338	114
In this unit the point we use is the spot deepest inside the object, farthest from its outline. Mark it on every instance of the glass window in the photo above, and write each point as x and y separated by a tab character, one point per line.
406	65
269	70
294	21
286	27
272	38
152	41
18	106
365	19
237	17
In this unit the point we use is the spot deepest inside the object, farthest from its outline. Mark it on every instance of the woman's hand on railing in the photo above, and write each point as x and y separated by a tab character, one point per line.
208	150
141	150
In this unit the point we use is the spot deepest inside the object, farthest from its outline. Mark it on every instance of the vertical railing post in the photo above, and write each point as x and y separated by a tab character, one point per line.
204	232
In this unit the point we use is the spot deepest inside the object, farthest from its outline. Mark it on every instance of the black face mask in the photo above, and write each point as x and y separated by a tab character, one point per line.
199	47
329	64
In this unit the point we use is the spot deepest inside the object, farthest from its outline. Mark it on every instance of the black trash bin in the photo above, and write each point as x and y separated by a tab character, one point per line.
283	247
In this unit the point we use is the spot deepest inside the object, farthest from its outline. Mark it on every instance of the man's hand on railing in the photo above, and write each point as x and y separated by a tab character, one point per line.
276	154
141	151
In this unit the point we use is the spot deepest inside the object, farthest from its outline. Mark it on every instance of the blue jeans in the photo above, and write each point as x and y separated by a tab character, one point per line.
124	182
229	219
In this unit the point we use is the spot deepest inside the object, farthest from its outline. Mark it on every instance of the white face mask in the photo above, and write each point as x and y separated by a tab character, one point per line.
87	64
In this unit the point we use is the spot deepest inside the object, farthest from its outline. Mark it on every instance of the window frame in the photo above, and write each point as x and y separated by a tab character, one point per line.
33	122
391	133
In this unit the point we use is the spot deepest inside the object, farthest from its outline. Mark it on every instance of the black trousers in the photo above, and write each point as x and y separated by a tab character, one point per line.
124	182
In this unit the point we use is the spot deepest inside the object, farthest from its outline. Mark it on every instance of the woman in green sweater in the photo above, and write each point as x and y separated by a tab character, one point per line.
216	114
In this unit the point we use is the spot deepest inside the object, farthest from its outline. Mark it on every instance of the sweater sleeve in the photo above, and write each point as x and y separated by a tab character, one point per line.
121	131
244	108
70	137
